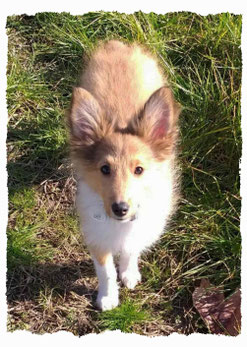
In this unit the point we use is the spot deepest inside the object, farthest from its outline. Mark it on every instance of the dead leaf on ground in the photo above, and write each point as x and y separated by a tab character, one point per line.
222	316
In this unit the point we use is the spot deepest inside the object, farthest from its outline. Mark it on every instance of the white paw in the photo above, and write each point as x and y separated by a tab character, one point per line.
130	278
108	302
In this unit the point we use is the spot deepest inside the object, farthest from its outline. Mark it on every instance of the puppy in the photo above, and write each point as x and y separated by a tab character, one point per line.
123	132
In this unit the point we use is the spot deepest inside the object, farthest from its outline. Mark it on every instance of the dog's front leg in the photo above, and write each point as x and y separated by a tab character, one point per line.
128	269
107	297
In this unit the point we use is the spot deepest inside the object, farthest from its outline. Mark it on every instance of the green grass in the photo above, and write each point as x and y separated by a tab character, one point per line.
50	271
123	317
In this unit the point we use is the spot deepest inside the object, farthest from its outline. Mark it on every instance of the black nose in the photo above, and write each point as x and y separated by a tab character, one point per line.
120	209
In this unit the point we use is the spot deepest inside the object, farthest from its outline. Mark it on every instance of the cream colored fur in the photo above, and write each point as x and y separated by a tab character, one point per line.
122	78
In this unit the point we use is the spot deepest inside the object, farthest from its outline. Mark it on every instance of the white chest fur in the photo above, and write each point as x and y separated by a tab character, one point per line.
113	236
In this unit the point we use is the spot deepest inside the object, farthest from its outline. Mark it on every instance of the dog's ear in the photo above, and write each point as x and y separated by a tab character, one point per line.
85	117
160	114
157	122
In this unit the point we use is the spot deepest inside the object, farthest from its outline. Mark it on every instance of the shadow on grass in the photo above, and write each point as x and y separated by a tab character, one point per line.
27	171
27	282
45	298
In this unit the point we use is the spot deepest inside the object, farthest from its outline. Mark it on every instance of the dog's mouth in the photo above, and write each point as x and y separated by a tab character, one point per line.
126	219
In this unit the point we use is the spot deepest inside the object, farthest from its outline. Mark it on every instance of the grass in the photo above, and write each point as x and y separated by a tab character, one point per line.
51	282
123	317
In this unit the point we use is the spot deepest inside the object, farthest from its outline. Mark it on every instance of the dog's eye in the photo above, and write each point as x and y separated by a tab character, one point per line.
138	170
105	169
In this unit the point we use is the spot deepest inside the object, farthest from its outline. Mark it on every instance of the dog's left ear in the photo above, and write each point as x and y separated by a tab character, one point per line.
160	114
157	122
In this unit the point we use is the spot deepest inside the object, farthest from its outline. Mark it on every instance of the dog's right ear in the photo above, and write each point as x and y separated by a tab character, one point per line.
85	118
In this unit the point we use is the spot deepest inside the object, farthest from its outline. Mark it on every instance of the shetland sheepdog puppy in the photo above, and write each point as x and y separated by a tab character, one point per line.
123	132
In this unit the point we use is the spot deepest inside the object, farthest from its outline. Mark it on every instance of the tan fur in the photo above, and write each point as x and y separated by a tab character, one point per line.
99	255
115	76
124	153
123	116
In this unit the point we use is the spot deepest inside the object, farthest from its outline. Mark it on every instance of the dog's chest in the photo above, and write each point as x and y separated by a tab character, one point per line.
107	233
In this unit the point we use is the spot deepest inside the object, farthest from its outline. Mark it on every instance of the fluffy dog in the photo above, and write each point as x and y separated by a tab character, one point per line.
123	132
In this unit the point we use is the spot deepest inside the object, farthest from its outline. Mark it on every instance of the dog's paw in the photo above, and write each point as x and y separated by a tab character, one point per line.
108	302
130	278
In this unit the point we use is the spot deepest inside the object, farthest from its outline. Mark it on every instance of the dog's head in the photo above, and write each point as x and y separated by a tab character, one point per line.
120	164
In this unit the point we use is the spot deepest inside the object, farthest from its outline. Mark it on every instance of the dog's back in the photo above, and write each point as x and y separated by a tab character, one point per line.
121	78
